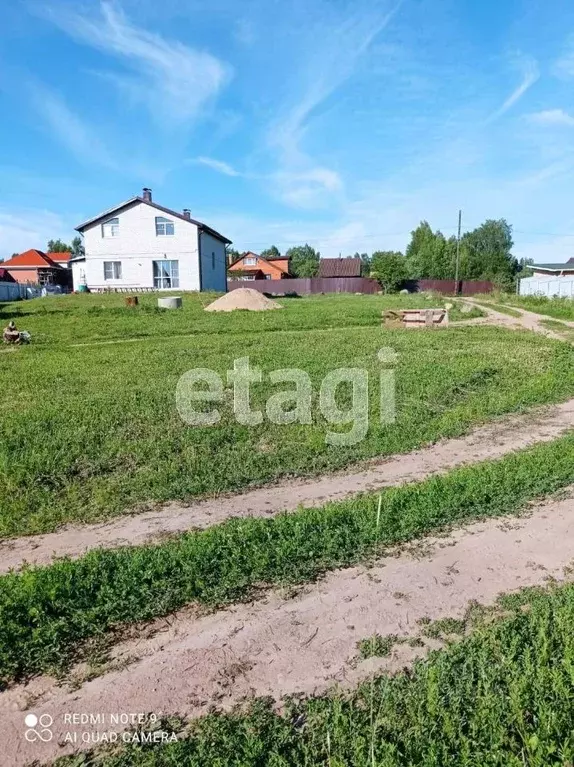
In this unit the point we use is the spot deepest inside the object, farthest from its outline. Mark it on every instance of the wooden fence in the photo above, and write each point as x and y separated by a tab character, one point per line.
305	286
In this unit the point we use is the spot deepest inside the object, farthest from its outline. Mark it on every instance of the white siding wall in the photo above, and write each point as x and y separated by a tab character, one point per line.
547	286
213	267
137	246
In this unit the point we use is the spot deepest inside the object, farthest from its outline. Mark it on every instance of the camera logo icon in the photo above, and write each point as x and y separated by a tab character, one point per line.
38	728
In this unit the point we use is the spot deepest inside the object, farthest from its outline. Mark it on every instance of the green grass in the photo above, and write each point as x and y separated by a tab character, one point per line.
72	319
559	327
559	308
502	697
502	309
377	646
89	432
46	613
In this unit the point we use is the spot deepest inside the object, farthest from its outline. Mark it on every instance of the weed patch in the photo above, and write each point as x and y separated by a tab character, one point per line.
501	696
47	613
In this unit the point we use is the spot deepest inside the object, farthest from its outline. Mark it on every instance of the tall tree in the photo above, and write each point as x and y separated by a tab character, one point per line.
429	255
77	247
273	251
488	252
390	269
365	263
57	246
303	261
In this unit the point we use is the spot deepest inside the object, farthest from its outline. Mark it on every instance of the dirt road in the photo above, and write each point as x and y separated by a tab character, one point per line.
304	644
491	441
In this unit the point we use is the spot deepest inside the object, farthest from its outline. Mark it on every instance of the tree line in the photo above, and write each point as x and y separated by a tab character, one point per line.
485	253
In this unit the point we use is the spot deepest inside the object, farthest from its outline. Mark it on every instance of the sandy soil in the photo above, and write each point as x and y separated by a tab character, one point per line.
243	298
491	441
527	320
307	643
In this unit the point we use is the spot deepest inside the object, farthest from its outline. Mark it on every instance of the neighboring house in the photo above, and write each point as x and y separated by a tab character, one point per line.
5	276
549	280
340	267
251	266
62	259
37	268
140	245
553	270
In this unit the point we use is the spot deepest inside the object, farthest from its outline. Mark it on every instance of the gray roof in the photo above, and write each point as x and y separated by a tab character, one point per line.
135	200
567	267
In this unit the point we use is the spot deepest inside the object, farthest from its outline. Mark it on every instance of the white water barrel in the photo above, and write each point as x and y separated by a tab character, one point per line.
171	302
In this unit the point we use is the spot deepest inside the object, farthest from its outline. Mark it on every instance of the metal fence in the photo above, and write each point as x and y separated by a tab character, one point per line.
560	287
308	285
447	287
12	291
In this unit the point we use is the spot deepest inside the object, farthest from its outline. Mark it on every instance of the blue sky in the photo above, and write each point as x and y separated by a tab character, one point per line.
337	123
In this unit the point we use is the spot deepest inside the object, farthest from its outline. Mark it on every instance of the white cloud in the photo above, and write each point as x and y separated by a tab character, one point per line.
311	188
530	74
244	32
218	165
26	229
302	182
172	79
68	128
564	66
552	117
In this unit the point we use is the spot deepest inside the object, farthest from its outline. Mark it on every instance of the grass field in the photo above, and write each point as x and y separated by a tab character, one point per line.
559	308
93	318
48	612
91	431
502	696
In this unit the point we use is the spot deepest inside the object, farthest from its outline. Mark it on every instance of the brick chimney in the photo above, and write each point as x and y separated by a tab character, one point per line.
186	213
146	194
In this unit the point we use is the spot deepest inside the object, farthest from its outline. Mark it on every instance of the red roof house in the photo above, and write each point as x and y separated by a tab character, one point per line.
35	267
62	259
252	266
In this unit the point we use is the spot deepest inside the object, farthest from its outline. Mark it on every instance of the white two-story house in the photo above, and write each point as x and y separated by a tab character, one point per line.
139	245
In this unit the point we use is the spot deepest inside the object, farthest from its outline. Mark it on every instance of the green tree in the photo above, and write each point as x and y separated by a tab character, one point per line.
390	269
273	251
231	254
525	268
488	253
429	255
57	246
365	263
77	247
303	261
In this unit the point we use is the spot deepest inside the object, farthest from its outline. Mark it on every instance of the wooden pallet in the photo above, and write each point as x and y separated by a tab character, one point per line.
415	318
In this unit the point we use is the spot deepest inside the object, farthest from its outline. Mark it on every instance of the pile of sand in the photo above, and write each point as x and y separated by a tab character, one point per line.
243	298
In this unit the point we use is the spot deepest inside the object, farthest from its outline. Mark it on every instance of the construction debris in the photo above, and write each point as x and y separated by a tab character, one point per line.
415	318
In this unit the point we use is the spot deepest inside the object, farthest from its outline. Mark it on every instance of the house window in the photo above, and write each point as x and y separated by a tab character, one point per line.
112	270
111	228
267	276
250	261
247	277
165	274
163	226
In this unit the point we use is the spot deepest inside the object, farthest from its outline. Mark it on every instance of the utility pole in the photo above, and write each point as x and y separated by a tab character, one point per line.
457	254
